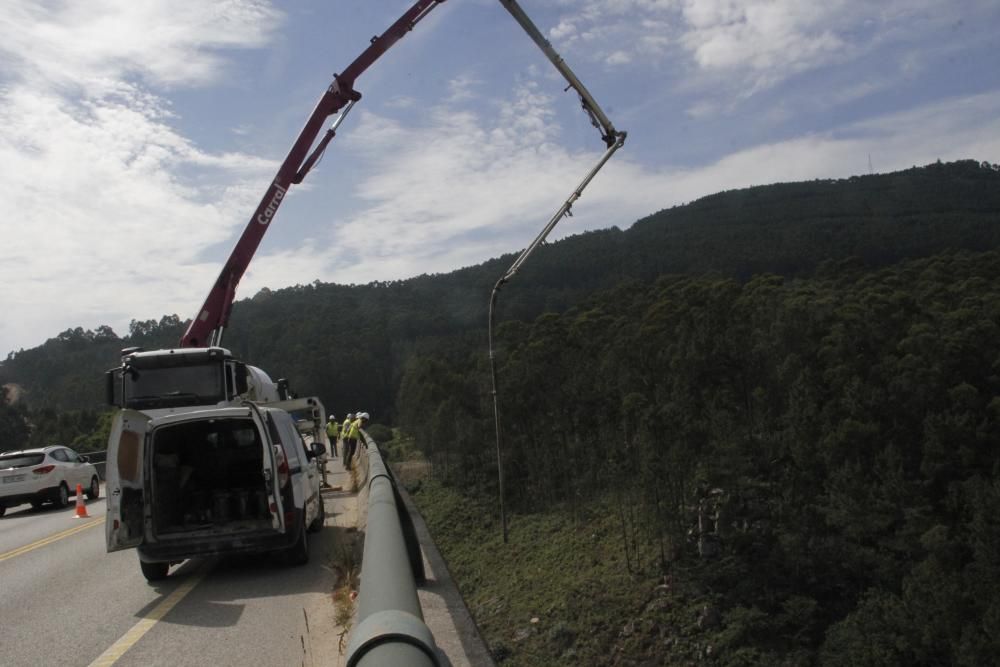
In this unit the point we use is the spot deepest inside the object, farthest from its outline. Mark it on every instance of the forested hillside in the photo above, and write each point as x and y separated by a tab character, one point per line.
349	343
815	458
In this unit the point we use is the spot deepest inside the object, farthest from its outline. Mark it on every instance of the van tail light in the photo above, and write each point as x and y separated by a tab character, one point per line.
42	470
282	460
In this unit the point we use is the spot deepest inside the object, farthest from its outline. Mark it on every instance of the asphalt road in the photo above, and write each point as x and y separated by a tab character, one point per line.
64	600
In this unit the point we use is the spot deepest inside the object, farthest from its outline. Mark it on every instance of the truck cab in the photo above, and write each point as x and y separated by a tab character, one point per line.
181	379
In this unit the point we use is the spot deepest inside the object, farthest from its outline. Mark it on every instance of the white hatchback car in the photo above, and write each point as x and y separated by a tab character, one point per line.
49	474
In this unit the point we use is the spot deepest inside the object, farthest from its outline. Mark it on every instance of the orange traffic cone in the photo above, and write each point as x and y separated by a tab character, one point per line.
81	508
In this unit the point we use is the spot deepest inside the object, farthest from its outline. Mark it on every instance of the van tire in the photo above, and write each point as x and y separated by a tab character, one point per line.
154	571
298	553
94	492
62	496
317	524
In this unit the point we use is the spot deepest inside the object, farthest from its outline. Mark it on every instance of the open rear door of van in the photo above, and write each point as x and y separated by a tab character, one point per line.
273	462
125	480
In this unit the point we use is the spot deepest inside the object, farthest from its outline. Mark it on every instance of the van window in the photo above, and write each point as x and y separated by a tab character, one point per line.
290	438
232	433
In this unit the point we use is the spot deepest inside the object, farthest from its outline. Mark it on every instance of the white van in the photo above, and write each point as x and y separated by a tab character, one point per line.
211	482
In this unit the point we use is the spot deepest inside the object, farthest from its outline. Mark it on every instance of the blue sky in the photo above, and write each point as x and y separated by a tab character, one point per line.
139	135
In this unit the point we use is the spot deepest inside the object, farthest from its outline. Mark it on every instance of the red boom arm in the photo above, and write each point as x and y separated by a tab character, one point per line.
207	327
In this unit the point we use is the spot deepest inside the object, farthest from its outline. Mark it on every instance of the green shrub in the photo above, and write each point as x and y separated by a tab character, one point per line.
380	433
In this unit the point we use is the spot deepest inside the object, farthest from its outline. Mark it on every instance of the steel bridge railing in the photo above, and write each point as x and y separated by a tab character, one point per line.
390	626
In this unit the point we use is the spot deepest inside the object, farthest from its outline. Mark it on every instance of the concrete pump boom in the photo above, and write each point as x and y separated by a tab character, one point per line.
207	327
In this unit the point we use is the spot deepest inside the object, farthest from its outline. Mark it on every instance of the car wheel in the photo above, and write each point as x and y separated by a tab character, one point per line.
62	495
298	553
154	571
317	524
94	491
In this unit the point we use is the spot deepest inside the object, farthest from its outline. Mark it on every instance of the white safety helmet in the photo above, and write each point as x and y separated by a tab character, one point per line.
350	415
332	417
364	415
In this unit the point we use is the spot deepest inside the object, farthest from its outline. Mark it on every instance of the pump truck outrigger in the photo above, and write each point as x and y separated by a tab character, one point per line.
205	457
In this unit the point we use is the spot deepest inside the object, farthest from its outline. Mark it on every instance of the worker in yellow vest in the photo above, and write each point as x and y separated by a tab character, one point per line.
346	426
333	433
353	435
345	433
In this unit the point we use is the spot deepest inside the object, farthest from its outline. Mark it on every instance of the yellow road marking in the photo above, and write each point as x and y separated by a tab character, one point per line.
50	539
128	640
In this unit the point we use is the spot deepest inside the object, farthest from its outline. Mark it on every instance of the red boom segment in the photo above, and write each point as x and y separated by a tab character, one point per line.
214	313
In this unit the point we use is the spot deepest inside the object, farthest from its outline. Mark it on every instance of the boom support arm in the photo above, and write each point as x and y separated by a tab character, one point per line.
207	327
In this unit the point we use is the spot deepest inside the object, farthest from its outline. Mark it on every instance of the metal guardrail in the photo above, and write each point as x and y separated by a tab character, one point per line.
390	628
100	461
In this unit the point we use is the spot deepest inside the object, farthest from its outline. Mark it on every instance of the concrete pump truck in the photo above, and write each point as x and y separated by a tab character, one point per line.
206	454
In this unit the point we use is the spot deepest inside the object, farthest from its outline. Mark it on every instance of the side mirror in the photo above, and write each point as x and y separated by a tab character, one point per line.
318	449
109	387
84	459
241	379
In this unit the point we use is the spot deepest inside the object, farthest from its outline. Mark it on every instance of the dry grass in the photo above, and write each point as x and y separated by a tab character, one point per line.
346	564
411	473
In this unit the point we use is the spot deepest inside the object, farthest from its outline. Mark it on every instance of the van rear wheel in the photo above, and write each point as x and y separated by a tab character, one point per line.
317	524
298	553
94	491
154	571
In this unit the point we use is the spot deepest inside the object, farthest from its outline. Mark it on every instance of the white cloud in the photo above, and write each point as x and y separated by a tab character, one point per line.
401	102
618	58
961	128
463	88
103	194
163	41
754	44
565	30
702	109
100	209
